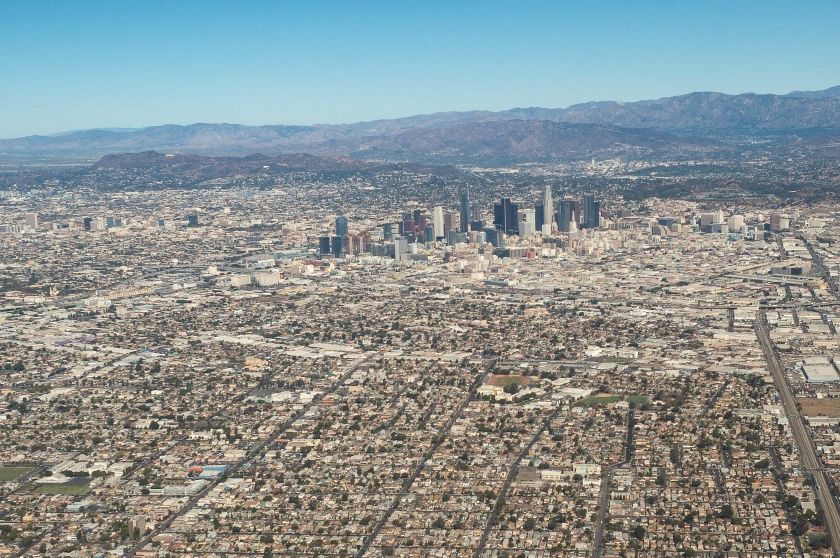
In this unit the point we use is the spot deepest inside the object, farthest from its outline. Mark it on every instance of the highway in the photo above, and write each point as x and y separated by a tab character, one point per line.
820	268
801	435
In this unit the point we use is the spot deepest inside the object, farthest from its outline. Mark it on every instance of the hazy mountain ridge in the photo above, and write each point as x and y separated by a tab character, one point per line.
830	92
512	141
181	162
603	127
151	169
712	112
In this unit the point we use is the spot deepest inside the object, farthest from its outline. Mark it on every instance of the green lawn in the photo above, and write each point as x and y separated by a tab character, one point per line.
639	400
65	489
11	473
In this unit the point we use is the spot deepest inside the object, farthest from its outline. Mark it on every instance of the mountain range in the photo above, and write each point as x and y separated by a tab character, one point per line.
692	123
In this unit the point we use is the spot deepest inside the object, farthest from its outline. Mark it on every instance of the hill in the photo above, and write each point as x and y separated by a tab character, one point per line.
653	127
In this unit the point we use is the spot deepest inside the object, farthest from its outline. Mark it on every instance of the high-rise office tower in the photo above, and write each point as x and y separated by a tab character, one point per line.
437	221
337	245
512	215
429	233
575	205
408	227
591	212
547	220
192	220
31	219
323	245
476	224
355	244
506	216
341	225
388	231
88	223
499	215
475	212
419	222
407	223
465	210
564	216
527	222
450	223
400	247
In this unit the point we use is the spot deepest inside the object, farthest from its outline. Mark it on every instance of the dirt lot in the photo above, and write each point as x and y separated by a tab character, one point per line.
813	407
504	381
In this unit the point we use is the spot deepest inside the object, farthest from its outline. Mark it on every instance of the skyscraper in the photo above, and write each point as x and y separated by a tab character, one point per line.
437	221
323	245
400	247
341	225
591	212
337	244
564	216
527	220
465	210
31	219
429	233
419	222
506	216
575	205
547	211
408	228
476	224
450	223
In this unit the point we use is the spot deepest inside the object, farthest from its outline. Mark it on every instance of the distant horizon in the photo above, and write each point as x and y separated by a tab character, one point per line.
119	129
94	64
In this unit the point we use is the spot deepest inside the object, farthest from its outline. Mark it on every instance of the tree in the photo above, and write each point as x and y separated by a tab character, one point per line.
725	512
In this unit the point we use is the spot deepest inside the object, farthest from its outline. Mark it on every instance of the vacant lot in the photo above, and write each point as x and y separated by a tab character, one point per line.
812	407
11	473
504	381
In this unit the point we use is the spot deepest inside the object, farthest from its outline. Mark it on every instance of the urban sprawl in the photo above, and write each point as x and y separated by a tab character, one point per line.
348	369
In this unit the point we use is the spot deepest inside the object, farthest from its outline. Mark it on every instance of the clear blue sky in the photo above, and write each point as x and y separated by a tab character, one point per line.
73	64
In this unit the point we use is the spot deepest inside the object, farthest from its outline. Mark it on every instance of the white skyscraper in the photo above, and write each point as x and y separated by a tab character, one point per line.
548	211
437	221
527	222
31	220
400	247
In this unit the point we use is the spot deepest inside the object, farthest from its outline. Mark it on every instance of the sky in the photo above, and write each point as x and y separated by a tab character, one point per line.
77	64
